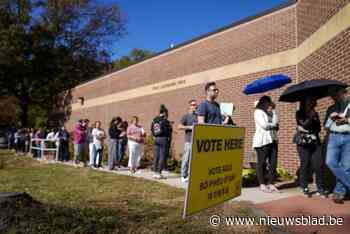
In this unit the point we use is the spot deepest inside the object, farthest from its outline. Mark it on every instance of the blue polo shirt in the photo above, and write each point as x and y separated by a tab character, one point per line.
210	111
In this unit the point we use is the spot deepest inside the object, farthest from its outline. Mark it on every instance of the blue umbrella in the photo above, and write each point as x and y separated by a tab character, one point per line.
266	84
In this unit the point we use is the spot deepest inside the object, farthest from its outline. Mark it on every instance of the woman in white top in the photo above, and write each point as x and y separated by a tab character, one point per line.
98	135
90	142
265	143
52	136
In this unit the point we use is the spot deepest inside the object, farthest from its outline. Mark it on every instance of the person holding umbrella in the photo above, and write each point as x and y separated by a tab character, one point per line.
265	143
309	145
266	127
337	124
338	149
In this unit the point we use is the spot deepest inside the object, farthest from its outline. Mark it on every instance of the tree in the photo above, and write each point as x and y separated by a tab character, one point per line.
48	46
135	56
139	55
8	111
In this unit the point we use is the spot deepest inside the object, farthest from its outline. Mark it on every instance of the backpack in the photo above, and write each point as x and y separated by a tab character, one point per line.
159	127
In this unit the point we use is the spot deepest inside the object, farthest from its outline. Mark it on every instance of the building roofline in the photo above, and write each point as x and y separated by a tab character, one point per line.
232	25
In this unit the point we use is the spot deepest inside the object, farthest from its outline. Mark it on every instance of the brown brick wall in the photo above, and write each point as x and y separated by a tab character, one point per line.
232	92
331	61
312	14
267	35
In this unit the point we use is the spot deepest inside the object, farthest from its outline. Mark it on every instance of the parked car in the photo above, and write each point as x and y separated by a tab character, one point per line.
3	140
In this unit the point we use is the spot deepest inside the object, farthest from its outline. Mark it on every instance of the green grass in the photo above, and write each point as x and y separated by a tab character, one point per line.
79	200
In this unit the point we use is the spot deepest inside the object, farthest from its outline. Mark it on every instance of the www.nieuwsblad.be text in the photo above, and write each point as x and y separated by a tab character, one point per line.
217	220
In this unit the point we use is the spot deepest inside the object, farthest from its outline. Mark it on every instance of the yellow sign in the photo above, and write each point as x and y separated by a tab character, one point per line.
215	166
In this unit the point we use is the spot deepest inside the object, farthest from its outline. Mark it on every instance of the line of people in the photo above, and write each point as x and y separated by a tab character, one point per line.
121	136
265	140
308	142
21	139
307	139
90	140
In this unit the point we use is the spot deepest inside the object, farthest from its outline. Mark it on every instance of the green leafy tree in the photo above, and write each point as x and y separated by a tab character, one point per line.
135	56
49	46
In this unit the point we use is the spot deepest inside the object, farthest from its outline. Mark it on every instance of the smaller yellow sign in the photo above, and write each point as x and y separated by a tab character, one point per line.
215	166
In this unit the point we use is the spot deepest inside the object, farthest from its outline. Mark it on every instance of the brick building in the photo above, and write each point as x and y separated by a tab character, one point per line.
305	39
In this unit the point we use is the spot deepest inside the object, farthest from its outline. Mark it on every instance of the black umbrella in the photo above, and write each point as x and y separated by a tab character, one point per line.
310	88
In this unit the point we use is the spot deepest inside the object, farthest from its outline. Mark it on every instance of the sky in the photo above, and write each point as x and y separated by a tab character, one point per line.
156	24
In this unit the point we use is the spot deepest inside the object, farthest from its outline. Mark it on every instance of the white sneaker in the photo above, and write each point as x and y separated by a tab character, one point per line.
184	180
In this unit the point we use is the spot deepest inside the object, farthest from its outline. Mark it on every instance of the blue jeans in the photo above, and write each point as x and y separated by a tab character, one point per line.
121	150
78	152
160	148
338	161
92	154
112	153
98	157
186	159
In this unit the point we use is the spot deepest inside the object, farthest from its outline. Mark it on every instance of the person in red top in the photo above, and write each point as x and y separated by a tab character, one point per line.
79	135
136	137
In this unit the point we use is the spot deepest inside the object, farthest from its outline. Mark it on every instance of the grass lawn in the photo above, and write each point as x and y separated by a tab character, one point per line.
79	200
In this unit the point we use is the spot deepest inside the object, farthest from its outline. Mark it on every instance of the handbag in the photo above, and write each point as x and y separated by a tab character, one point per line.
304	139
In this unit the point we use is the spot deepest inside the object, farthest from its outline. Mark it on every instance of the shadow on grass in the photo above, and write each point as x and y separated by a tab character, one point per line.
29	216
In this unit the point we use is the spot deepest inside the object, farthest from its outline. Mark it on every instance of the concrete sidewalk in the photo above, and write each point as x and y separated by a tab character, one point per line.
253	194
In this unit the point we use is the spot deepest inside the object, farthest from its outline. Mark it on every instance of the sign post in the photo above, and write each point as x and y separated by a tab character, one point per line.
215	166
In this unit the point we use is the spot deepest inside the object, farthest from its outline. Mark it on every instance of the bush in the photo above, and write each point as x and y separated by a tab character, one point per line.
249	177
104	155
71	150
173	165
178	167
148	149
178	164
282	173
